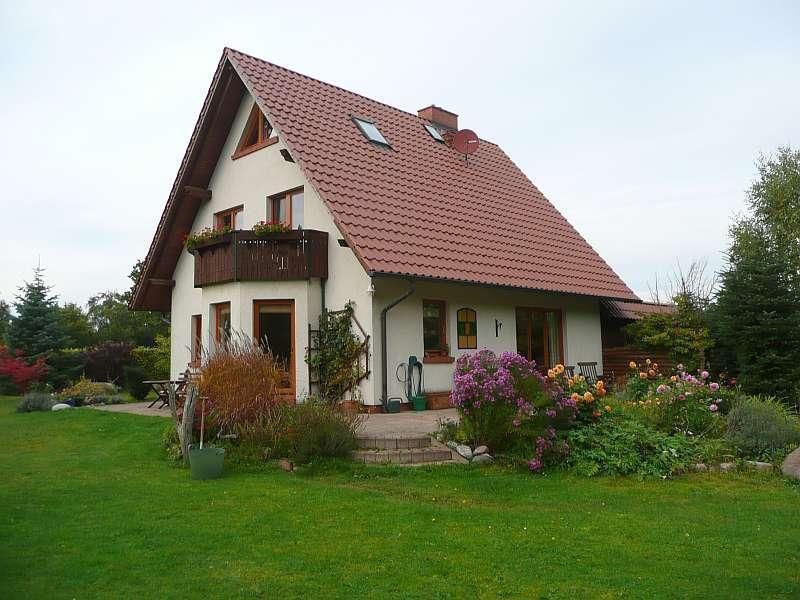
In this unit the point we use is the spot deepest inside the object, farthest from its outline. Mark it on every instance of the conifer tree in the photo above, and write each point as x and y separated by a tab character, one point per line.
35	329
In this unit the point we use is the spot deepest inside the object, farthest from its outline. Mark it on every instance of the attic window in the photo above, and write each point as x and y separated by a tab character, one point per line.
434	133
257	134
370	131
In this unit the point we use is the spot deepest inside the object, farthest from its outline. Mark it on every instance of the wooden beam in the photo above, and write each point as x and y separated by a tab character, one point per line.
197	192
168	282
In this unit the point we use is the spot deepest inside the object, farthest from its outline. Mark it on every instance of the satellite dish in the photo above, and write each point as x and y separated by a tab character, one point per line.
465	141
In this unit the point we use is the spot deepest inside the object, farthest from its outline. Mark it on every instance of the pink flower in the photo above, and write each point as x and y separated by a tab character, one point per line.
704	374
713	386
713	408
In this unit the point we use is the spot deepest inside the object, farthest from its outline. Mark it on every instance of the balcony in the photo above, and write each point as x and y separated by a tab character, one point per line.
244	256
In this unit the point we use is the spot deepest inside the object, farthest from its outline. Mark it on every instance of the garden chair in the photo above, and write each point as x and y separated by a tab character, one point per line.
570	371
589	371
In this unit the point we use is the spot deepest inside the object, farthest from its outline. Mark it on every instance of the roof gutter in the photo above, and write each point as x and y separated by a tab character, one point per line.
384	360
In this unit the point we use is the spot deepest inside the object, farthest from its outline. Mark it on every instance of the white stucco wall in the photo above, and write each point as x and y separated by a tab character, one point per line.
249	181
581	325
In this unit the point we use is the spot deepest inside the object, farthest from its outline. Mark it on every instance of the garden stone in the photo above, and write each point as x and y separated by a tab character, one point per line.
700	468
452	445
464	451
791	466
727	467
60	406
480	450
482	459
759	466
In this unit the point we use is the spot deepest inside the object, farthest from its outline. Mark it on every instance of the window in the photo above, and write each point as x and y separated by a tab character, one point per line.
539	336
434	327
467	325
434	133
229	219
257	134
370	131
197	340
222	323
273	328
286	208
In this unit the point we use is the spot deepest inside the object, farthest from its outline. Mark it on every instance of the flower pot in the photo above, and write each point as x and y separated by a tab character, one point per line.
206	463
392	406
418	402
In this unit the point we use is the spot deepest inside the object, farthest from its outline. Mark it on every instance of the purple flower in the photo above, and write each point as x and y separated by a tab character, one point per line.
535	465
661	389
516	422
704	374
713	386
681	397
713	408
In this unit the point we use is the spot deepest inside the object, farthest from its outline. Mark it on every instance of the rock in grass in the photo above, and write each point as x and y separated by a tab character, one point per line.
699	468
286	465
727	467
481	459
60	406
791	466
759	466
452	445
480	450
464	451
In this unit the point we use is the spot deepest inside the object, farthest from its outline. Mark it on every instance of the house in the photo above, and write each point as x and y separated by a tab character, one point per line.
440	253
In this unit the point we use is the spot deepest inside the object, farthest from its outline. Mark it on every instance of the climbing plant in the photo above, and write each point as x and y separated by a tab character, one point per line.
335	355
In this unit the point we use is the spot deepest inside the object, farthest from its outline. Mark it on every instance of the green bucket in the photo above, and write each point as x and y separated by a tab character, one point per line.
418	402
206	463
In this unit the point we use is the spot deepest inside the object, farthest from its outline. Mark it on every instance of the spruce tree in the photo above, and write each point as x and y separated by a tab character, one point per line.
35	330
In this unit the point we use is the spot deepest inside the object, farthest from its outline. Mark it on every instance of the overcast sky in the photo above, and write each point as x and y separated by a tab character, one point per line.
640	121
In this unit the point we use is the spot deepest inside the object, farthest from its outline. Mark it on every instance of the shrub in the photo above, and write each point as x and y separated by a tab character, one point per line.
240	381
35	401
622	445
65	367
153	360
19	372
106	361
105	399
84	390
318	429
761	426
134	376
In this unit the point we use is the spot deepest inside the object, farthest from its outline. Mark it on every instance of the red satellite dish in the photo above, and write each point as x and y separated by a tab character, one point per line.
465	141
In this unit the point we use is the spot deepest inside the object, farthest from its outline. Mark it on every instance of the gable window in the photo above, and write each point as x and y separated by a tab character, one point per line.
222	323
370	131
467	325
540	336
286	208
230	218
434	328
257	134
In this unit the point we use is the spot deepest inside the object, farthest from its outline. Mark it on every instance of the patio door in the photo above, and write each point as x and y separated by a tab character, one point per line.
273	328
540	336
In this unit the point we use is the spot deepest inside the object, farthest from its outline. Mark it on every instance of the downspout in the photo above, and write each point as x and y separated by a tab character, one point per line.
384	361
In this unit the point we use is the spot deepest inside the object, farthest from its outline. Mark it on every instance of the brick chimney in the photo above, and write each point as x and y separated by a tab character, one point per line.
439	116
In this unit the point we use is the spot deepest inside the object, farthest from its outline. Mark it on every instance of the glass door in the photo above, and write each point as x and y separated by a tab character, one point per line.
273	329
539	336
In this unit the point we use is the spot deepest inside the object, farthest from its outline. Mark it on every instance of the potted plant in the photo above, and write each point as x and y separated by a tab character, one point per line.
205	462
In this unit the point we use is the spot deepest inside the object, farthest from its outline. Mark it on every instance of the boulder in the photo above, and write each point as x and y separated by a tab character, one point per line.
286	465
699	468
759	466
791	466
481	459
61	406
452	445
727	467
480	450
464	451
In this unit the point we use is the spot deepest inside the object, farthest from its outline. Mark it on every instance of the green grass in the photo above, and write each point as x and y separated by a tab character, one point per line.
89	507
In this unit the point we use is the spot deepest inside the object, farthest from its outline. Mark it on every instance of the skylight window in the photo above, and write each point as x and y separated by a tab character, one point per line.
370	131
434	133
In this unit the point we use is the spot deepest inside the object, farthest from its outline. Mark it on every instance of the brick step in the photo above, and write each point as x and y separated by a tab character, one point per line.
406	456
394	443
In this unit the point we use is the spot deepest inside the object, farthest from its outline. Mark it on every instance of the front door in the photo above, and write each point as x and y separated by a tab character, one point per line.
539	336
273	328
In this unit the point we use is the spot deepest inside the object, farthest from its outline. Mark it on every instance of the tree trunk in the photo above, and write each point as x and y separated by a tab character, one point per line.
185	425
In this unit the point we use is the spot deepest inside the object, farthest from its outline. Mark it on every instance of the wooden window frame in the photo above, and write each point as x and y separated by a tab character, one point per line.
218	216
474	321
218	307
541	309
196	348
442	355
257	304
287	197
255	119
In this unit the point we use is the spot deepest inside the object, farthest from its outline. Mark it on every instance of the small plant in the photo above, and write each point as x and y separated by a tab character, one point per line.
318	429
36	401
105	399
84	391
761	426
262	228
206	234
134	377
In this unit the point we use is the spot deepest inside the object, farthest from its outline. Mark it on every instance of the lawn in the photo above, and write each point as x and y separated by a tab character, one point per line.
90	507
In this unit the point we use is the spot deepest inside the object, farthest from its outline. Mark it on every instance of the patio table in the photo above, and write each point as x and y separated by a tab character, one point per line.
162	388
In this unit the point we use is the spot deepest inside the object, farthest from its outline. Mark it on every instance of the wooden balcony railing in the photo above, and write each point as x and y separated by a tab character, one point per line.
244	256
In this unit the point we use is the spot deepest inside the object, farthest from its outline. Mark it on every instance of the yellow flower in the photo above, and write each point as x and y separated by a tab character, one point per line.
576	396
642	375
559	369
632	365
587	397
655	366
651	373
607	408
648	361
674	378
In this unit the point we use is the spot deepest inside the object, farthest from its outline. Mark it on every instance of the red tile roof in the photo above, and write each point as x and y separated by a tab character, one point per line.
633	311
419	209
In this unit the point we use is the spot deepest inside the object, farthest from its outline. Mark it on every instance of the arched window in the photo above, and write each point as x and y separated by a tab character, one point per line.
467	324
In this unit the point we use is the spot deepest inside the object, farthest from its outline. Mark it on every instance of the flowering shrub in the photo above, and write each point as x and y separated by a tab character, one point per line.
587	397
206	234
264	228
504	401
19	372
86	391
